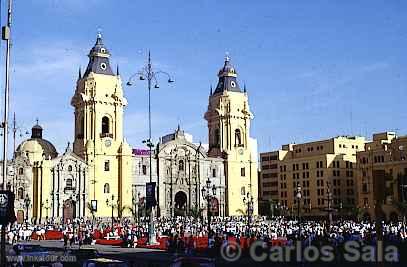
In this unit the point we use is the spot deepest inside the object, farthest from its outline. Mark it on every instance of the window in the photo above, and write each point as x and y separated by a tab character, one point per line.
181	165
238	137
243	191
20	193
213	172
105	125
144	169
107	166
69	183
70	168
106	188
242	172
20	171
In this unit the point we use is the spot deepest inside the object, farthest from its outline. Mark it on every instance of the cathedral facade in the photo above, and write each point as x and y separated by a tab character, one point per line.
100	173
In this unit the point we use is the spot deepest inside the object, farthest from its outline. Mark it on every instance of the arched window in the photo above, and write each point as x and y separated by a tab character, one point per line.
70	168
105	125
20	193
238	137
181	165
20	171
69	183
106	188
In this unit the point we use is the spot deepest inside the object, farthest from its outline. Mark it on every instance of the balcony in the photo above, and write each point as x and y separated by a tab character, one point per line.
104	135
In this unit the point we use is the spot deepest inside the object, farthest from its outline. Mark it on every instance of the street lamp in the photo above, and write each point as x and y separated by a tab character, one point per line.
46	207
298	197
329	208
208	192
111	204
136	203
248	200
151	74
27	202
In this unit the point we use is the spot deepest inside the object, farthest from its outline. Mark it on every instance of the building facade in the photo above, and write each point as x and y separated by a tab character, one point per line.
99	108
101	173
325	170
181	169
382	175
229	117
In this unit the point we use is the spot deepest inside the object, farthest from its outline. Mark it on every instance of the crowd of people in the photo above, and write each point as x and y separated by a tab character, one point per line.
179	229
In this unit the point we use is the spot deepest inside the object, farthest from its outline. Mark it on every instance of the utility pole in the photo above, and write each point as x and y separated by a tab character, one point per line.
6	37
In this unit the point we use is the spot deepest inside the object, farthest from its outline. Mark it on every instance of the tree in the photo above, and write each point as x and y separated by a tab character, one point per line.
358	213
272	205
132	210
91	210
196	212
243	212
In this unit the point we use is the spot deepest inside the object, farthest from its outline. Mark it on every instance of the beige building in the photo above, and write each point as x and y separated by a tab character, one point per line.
229	118
315	166
383	171
96	170
99	108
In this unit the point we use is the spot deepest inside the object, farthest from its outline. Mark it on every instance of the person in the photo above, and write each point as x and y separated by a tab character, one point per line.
65	239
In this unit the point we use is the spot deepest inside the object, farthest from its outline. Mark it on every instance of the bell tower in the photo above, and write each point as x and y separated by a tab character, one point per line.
99	108
229	118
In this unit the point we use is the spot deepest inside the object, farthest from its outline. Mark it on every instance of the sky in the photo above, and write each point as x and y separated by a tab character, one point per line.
312	69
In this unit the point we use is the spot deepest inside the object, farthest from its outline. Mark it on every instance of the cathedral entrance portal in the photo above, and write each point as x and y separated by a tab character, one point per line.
69	210
180	204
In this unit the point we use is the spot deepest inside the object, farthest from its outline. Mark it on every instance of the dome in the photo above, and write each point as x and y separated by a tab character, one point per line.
41	147
37	146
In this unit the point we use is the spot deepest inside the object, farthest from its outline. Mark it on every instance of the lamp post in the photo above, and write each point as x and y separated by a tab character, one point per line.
329	207
208	192
151	75
298	197
136	203
248	201
110	202
27	202
46	207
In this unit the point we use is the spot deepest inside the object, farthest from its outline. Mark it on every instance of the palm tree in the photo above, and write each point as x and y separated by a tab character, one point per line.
132	210
358	213
91	210
243	212
196	212
272	204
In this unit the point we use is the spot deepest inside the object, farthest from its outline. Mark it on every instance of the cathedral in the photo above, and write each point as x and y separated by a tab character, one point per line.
100	174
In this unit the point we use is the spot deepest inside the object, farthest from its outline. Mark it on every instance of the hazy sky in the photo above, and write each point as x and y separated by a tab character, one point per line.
313	69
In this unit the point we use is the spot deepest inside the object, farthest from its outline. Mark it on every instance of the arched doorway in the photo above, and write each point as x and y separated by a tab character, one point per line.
69	210
214	208
180	204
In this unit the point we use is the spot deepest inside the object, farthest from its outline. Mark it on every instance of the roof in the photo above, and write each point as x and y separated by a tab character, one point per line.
48	148
99	59
227	78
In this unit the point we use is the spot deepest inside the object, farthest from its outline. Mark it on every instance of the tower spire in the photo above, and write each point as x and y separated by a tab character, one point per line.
211	91
80	73
117	70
